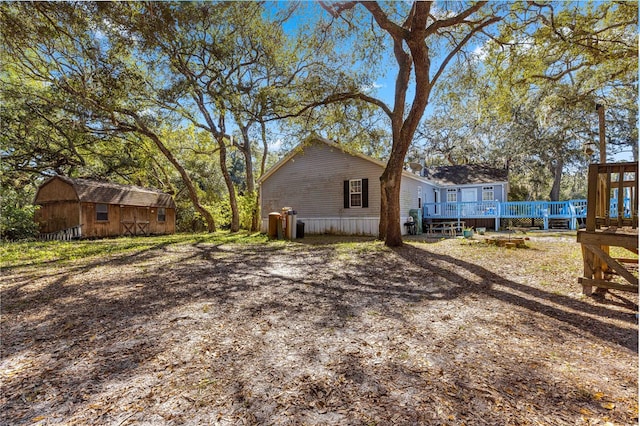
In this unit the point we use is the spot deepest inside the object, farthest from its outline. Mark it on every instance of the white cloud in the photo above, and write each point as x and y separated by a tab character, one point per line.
275	146
481	52
371	87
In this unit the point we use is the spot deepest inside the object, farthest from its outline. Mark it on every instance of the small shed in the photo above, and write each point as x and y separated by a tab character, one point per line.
102	209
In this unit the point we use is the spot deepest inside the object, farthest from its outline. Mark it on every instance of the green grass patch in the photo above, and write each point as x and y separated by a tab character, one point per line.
42	252
346	251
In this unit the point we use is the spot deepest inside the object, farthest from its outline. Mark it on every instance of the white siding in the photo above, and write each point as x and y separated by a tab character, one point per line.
311	183
409	195
336	225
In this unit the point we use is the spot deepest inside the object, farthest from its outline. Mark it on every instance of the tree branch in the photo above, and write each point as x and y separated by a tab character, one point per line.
335	98
451	54
454	20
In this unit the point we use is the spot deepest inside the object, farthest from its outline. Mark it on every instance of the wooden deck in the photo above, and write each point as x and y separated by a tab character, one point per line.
549	214
612	221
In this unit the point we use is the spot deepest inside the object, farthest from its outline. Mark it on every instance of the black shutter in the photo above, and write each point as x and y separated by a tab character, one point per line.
365	192
346	194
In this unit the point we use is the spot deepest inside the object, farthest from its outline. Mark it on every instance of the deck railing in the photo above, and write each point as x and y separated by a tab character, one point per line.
572	210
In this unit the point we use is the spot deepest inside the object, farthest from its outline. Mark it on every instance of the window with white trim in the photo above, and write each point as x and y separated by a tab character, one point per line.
102	212
452	195
488	193
355	193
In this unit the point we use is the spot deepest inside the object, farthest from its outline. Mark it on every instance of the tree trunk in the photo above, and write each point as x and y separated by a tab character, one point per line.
413	33
556	172
390	183
218	134
390	214
251	184
233	202
403	130
191	190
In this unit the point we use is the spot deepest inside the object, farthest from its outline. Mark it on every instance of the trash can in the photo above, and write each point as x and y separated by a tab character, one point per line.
285	222
299	229
293	224
274	218
416	214
289	223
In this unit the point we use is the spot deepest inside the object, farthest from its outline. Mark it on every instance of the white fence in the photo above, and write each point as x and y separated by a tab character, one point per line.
64	234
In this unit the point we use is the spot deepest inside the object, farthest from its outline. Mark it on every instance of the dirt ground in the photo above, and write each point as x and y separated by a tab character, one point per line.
318	332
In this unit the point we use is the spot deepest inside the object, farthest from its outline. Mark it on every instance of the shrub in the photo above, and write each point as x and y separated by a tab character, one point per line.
16	219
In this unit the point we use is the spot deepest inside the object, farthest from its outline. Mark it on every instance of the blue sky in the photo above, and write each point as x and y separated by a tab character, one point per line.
384	84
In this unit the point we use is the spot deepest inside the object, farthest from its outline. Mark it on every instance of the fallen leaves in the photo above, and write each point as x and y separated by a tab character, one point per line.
444	333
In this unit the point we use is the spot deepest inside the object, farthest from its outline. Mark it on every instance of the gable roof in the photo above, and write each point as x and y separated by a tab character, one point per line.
313	139
465	174
92	191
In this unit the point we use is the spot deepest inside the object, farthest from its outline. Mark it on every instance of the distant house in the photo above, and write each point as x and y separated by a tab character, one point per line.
102	209
334	190
466	183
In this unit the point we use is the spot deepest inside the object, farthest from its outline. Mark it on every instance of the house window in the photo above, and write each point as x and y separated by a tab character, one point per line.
487	193
102	212
355	193
452	195
162	214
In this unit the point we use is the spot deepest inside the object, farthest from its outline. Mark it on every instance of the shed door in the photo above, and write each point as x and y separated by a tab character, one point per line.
142	221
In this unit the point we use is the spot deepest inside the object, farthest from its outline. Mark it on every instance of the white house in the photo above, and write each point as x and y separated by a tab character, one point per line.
334	190
337	191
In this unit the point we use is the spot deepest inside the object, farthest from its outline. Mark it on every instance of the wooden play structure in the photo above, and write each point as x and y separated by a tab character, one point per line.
611	221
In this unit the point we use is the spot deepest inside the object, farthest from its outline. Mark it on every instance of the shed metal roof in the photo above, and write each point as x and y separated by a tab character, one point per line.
92	191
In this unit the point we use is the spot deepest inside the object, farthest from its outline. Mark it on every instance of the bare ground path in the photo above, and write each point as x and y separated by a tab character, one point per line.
318	332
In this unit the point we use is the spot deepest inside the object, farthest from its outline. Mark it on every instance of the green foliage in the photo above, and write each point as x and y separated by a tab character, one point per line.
246	206
247	209
86	86
16	216
526	99
188	219
221	212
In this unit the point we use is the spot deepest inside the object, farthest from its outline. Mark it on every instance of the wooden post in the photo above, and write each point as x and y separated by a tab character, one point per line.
603	144
587	258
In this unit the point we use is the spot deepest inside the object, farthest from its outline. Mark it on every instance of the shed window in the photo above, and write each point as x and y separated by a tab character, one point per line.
487	193
162	214
452	195
102	212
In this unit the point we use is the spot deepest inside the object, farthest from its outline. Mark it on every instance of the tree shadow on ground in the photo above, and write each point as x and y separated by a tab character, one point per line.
282	334
569	310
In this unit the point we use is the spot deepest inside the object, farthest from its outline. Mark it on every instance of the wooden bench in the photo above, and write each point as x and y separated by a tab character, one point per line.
445	228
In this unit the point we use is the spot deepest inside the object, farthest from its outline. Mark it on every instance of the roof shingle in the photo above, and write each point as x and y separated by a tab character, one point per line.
91	191
465	174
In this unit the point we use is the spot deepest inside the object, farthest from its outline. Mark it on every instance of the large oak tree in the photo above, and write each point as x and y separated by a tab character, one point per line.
425	38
